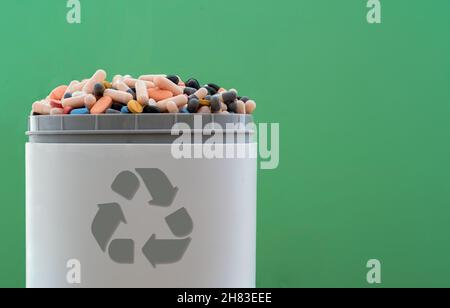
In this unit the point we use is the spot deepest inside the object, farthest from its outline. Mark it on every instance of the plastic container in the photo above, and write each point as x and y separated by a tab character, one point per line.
108	205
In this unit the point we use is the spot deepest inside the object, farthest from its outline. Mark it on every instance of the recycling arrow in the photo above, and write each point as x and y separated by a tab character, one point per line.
159	186
106	222
165	251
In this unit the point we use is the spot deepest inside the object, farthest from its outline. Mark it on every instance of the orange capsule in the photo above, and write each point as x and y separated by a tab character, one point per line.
58	93
158	94
102	105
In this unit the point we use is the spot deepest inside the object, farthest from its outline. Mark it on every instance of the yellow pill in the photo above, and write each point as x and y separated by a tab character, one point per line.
107	84
135	107
204	102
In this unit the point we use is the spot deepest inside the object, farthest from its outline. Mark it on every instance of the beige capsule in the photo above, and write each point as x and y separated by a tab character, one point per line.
131	82
41	108
240	107
142	92
250	107
89	101
172	107
118	96
69	89
165	84
179	100
74	102
151	77
98	77
201	93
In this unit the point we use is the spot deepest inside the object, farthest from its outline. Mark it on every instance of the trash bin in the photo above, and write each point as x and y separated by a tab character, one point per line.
109	205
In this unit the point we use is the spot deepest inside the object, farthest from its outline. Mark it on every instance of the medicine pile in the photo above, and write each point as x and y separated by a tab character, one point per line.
146	94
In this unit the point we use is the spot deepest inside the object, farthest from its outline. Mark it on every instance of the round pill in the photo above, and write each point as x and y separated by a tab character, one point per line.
193	105
193	83
174	79
172	107
124	109
250	106
68	95
135	107
99	89
80	111
216	105
189	91
151	109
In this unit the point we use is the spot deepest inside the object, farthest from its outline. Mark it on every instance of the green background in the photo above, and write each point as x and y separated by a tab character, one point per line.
364	113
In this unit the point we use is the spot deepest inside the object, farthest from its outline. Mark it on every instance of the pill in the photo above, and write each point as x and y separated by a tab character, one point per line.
132	92
204	102
78	86
142	92
116	106
131	82
80	111
58	93
175	79
232	108
211	90
166	84
112	111
240	107
193	83
224	107
151	109
214	86
74	102
98	77
102	105
233	90
71	86
135	107
107	84
204	109
124	110
67	109
41	108
250	107
158	94
151	77
208	97
68	95
172	107
119	96
179	100
193	105
151	102
201	93
244	99
221	90
216	104
78	93
99	89
182	84
228	97
225	112
56	103
56	111
189	91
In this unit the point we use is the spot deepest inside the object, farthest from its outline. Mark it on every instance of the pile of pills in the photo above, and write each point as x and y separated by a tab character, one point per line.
146	94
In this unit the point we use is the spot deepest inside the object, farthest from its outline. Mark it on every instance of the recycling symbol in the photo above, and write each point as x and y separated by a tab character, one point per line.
110	216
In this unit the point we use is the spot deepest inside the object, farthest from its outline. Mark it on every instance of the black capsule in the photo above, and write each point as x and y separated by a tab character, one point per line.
215	104
193	83
189	91
211	91
67	95
229	97
193	96
116	106
208	97
193	105
232	108
214	86
244	99
99	89
132	92
174	79
151	109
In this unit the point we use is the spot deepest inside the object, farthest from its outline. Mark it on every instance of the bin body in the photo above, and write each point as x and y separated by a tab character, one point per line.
82	233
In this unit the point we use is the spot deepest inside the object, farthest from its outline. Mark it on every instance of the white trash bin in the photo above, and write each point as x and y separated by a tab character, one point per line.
108	205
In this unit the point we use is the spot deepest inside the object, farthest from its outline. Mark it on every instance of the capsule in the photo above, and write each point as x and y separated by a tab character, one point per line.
142	92
240	107
98	77
193	83
201	93
228	97
41	108
102	105
158	94
56	111
179	100
131	82
216	105
89	101
172	107
151	109
193	105
74	102
58	93
99	89
119	96
151	77
250	106
166	84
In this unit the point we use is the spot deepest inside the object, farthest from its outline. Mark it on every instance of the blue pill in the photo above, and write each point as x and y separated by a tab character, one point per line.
124	109
80	111
184	110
